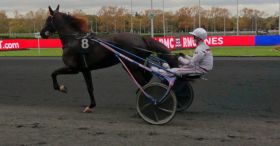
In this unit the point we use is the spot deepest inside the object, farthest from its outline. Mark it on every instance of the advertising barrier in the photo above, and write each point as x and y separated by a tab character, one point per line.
267	40
18	44
184	42
188	41
169	42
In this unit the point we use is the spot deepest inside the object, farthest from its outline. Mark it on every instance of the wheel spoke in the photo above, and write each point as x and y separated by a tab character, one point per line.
155	115
145	106
179	104
165	110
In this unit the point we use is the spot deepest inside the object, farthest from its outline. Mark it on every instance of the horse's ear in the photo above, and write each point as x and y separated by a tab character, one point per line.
51	11
57	8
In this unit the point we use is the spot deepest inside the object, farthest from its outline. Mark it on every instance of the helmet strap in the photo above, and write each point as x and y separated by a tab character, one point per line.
197	39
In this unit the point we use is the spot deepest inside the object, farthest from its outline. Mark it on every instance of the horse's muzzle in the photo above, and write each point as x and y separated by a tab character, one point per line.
45	34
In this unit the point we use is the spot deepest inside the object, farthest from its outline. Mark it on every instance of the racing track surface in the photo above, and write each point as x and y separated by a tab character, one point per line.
239	104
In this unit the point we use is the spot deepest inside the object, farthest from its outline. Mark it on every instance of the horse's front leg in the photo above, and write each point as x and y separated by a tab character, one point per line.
88	79
60	71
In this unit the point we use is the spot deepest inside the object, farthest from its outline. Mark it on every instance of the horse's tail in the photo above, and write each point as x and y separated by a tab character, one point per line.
162	51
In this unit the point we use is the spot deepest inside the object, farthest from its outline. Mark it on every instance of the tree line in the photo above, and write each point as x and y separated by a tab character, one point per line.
118	19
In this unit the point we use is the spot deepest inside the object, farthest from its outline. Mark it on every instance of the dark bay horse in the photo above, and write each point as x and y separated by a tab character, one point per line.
82	55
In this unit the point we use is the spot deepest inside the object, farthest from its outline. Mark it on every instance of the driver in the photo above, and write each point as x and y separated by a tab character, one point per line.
200	63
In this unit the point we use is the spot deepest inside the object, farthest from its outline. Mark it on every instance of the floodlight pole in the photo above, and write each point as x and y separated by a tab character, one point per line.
91	26
224	24
279	19
96	24
237	21
163	19
140	29
96	19
199	16
131	23
152	20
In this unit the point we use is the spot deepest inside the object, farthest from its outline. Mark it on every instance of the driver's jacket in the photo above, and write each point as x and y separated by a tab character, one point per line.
200	63
202	58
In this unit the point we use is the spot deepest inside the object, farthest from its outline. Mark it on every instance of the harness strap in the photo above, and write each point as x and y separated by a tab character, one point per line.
85	61
203	69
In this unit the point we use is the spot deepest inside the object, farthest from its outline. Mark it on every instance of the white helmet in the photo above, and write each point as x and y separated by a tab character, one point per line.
200	33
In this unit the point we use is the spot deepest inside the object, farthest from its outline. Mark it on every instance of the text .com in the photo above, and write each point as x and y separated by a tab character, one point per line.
4	45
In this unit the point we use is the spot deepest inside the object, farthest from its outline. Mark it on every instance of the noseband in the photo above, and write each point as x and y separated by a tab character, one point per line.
52	23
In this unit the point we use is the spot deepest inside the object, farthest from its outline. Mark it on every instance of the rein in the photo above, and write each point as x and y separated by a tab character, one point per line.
91	35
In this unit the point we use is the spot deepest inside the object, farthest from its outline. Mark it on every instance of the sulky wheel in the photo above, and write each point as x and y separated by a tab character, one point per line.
159	113
184	94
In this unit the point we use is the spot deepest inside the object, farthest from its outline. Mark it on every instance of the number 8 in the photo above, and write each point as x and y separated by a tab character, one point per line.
85	44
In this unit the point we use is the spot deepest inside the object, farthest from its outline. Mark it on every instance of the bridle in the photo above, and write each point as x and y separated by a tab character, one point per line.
52	25
52	28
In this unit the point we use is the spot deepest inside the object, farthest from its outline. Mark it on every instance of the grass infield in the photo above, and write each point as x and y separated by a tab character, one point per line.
266	51
247	51
32	52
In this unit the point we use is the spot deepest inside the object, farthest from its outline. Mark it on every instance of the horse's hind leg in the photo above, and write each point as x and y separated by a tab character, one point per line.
88	79
63	70
142	76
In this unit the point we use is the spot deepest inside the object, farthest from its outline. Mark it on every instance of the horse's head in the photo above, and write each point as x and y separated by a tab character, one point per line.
63	24
50	24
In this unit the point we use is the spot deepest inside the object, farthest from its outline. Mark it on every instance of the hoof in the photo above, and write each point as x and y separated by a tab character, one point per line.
88	110
276	48
63	89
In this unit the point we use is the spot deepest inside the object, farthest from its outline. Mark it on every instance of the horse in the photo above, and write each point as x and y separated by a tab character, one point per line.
73	30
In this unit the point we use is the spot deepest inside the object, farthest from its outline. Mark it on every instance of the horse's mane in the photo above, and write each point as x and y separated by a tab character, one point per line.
77	22
162	50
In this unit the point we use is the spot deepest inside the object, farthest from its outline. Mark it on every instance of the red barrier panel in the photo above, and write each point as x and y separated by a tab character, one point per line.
169	42
50	43
188	42
18	44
